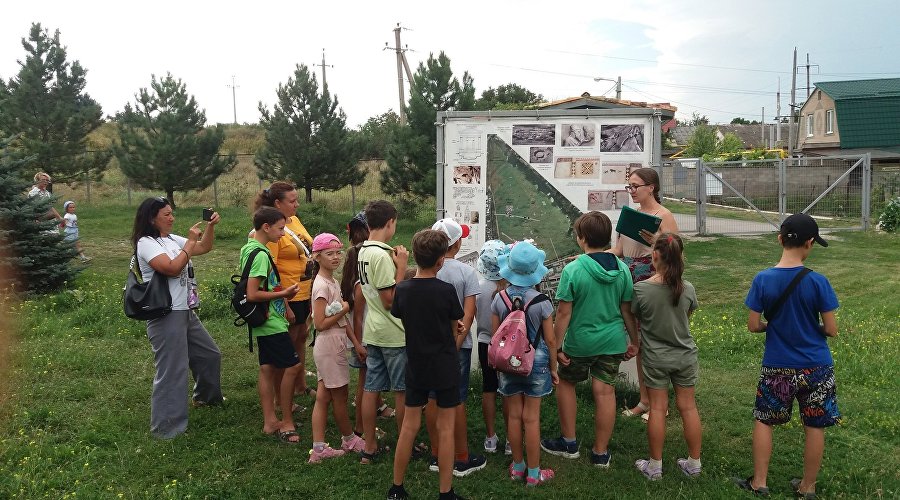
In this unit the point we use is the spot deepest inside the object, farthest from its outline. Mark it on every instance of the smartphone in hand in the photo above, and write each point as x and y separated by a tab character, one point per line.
207	214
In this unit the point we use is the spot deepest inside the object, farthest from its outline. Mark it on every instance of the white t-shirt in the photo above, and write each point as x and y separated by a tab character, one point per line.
71	220
464	279
148	248
36	191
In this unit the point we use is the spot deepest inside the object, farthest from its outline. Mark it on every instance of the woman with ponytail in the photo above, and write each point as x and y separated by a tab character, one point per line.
663	304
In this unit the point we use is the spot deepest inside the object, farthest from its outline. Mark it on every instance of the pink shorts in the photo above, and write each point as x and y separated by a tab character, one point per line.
330	355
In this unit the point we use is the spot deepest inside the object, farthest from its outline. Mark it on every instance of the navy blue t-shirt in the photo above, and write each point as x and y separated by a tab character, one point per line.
794	339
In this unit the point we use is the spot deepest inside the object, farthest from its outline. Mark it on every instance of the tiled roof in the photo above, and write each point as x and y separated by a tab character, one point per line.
868	111
856	89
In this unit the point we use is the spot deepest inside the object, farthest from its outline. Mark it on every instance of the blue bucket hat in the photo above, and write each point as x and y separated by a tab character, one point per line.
487	259
523	265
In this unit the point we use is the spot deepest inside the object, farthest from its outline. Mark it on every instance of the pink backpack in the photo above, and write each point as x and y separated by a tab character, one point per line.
510	350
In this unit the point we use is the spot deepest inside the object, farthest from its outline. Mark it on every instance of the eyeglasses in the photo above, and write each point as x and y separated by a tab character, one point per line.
633	187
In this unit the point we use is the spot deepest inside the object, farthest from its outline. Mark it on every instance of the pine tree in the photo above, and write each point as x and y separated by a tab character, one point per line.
34	257
46	107
164	143
411	158
307	141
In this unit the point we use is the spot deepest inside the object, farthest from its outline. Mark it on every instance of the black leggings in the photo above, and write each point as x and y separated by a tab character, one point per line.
488	374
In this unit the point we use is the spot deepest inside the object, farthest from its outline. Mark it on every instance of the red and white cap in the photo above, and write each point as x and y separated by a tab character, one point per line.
454	230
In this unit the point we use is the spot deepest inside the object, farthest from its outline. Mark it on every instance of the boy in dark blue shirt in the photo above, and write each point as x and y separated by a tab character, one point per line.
797	362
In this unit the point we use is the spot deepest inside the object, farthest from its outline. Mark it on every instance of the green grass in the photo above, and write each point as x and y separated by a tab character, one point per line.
74	417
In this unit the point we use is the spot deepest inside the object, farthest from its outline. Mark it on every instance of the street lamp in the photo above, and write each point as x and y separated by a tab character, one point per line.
617	81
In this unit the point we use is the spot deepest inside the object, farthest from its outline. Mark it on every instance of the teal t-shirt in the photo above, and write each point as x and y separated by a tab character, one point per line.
262	268
596	293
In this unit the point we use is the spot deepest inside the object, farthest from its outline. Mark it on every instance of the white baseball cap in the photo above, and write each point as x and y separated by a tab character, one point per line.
454	230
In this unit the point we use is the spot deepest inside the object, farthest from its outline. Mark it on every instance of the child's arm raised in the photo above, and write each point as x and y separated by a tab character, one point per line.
755	323
632	329
254	294
563	316
829	324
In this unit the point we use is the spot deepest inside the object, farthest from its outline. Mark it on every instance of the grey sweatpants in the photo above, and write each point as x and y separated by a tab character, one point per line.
179	342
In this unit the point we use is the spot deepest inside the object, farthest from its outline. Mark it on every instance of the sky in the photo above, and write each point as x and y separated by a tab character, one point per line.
718	59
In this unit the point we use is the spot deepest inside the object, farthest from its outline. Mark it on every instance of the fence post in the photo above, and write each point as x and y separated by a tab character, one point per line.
216	193
128	188
88	186
867	192
352	199
701	197
782	189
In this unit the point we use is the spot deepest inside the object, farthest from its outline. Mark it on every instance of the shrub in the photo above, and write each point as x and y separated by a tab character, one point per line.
890	216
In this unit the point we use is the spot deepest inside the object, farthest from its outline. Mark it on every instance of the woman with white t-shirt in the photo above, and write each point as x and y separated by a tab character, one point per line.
179	340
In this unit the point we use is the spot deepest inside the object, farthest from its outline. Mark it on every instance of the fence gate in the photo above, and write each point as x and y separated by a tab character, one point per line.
753	197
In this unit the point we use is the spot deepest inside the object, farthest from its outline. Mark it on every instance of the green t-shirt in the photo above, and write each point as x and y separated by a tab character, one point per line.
666	340
261	268
596	293
378	272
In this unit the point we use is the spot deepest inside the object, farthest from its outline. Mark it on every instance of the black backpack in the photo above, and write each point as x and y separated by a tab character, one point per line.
252	314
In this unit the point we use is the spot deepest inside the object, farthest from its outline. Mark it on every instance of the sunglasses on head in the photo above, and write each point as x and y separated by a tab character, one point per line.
162	200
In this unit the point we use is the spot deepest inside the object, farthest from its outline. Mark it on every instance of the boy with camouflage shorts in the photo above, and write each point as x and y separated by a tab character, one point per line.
594	312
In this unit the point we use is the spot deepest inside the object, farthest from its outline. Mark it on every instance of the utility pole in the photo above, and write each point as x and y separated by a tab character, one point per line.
402	65
778	113
762	126
791	131
323	65
233	98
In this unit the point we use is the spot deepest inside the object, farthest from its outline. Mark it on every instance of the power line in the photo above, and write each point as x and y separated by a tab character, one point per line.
738	113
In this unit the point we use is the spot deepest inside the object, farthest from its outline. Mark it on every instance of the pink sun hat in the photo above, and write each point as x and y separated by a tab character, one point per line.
326	241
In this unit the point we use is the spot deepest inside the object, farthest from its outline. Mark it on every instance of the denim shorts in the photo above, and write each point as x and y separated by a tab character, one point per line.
353	360
813	388
385	369
536	385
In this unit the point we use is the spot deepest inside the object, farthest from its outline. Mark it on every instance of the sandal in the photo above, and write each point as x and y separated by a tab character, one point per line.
646	416
367	458
806	495
385	411
628	412
285	436
419	451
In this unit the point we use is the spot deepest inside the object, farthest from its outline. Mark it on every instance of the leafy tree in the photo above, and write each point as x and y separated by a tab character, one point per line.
730	143
702	141
164	143
697	120
307	140
46	107
743	121
507	97
411	157
34	257
371	141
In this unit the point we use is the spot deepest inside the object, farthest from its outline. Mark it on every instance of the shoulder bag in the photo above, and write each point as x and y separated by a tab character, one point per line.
146	300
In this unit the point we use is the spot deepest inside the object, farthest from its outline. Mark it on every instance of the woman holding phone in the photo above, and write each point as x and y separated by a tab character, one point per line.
291	255
643	186
179	340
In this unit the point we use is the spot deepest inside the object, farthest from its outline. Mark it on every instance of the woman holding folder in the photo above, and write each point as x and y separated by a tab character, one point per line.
643	186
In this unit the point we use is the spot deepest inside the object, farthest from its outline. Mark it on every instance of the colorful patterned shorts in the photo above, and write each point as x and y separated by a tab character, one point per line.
641	267
814	389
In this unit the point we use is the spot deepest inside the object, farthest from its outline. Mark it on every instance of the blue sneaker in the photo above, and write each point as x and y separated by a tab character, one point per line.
600	460
559	447
475	463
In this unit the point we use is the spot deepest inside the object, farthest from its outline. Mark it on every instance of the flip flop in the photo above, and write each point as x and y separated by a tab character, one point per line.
285	436
367	458
627	412
420	450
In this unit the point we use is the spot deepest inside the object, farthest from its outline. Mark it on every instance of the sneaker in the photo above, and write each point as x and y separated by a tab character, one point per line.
747	484
355	444
327	452
543	476
396	493
559	447
507	450
687	468
600	460
450	495
517	475
650	472
490	444
432	465
474	464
